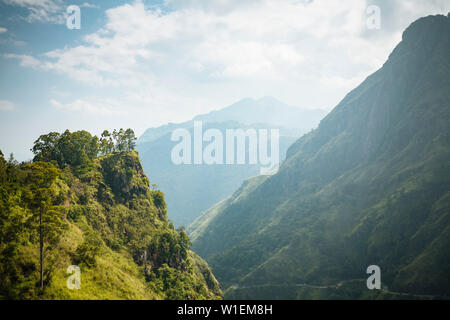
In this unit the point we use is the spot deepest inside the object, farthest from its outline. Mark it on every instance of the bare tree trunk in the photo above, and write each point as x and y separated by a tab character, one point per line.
145	262
41	251
145	258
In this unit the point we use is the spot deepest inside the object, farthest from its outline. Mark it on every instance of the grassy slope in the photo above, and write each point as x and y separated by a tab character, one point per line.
115	275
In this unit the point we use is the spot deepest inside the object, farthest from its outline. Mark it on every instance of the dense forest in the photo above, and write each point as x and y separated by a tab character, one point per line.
86	201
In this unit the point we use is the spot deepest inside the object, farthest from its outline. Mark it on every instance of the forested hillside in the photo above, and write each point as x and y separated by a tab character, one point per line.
369	186
86	201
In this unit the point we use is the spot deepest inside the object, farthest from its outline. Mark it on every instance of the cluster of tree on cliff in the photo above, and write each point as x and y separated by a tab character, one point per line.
80	147
40	203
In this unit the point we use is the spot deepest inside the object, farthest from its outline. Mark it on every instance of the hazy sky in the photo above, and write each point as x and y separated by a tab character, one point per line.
144	63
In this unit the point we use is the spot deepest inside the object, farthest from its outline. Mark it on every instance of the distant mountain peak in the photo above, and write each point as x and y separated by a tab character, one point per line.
247	111
268	99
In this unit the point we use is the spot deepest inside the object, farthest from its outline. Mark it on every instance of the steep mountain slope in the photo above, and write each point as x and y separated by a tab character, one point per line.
371	185
103	217
215	182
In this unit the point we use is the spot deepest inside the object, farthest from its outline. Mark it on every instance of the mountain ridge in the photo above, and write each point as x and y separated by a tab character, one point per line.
215	182
337	202
243	111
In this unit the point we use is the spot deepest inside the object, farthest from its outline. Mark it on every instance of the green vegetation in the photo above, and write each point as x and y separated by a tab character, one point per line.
80	148
73	207
370	186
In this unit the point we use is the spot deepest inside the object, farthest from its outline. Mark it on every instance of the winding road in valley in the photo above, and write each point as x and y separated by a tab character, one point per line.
384	289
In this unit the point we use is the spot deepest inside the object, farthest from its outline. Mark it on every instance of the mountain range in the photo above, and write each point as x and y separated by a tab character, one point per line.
369	186
209	184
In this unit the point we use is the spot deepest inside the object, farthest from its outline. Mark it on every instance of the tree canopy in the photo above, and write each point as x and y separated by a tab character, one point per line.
80	147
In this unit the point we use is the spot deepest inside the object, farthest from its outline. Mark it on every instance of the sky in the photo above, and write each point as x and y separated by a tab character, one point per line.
139	64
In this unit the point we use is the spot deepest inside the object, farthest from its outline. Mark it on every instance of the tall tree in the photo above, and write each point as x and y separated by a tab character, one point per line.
130	139
119	137
106	142
47	219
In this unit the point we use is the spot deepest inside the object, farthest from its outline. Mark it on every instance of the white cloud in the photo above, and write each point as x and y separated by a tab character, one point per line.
25	60
250	41
89	5
6	105
3	30
207	53
34	3
51	11
94	107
